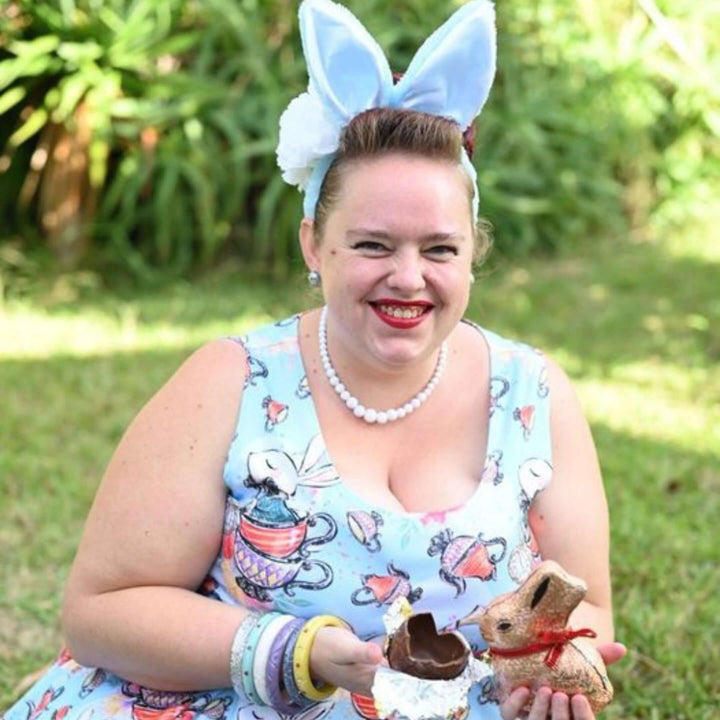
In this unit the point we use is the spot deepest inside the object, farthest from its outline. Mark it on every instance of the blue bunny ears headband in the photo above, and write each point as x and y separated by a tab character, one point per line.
450	76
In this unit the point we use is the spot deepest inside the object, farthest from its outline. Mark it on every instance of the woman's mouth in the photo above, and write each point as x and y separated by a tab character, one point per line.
401	314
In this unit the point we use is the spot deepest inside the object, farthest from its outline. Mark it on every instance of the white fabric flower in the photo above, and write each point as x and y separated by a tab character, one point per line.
306	135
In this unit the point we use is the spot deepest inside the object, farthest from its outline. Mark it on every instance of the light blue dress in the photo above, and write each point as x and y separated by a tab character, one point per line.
297	540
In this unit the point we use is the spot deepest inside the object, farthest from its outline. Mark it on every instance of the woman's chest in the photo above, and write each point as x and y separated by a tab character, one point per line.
433	461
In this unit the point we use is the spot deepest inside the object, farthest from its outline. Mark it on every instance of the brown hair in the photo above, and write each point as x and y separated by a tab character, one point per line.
381	131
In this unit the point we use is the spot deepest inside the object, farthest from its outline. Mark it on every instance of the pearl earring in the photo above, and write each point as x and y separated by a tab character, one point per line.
314	279
472	279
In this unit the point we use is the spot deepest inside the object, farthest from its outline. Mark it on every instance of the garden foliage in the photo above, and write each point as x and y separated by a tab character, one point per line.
140	134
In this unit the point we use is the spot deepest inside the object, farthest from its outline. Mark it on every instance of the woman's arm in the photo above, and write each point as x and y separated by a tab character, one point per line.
154	531
569	518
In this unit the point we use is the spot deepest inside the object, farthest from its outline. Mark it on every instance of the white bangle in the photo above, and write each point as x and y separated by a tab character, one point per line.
262	654
238	649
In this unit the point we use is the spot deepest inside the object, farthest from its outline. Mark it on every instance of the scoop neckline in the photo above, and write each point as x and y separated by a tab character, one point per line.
410	515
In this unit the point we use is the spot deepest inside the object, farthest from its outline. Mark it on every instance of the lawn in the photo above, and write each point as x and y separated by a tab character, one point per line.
637	326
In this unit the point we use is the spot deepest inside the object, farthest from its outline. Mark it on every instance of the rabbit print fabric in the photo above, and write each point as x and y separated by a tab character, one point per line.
297	540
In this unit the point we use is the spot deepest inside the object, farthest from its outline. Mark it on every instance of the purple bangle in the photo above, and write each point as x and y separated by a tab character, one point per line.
273	673
296	697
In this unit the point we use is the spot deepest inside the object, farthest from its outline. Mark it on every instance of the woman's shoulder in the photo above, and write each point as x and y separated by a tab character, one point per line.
278	333
508	350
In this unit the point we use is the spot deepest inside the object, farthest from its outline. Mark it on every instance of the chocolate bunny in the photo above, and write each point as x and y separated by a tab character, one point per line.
530	644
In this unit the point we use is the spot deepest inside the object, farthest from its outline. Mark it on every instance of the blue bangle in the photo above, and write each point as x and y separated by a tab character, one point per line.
249	655
296	697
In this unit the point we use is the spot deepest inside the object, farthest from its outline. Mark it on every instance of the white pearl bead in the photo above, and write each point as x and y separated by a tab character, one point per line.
423	396
391	415
334	381
382	417
370	415
352	402
401	413
344	395
359	410
415	402
408	408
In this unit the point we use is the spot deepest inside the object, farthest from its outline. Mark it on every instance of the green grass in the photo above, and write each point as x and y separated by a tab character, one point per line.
637	326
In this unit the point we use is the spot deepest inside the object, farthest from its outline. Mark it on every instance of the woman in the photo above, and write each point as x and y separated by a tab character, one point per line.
373	439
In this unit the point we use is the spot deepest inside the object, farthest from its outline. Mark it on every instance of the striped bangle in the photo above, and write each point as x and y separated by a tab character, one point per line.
273	670
262	654
238	649
248	657
297	699
301	657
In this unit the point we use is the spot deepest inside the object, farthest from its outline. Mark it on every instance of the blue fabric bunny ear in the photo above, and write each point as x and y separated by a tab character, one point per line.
452	72
347	68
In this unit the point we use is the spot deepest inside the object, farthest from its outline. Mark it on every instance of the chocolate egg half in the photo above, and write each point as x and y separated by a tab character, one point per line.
416	648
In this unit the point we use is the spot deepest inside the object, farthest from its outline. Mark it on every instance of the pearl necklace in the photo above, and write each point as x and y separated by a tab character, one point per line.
368	414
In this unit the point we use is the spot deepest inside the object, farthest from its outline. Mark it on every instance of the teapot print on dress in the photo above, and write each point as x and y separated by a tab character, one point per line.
530	644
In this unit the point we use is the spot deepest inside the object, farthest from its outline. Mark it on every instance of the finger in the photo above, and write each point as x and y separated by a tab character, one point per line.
541	704
373	654
612	652
581	709
560	706
514	703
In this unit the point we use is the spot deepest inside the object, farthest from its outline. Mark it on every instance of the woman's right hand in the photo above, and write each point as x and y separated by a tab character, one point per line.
339	657
557	706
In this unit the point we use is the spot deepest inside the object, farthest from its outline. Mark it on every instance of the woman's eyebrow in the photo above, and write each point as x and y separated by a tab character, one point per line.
384	235
367	232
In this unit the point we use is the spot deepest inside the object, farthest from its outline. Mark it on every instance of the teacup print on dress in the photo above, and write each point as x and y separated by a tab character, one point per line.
267	540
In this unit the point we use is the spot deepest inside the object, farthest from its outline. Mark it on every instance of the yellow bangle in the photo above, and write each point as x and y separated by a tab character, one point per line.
301	657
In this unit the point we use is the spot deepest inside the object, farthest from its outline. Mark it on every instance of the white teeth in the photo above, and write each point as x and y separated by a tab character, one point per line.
403	313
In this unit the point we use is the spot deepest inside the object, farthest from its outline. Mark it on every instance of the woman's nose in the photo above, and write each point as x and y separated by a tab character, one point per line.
407	273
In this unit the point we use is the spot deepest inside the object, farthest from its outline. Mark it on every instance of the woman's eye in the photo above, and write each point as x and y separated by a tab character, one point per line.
442	250
369	245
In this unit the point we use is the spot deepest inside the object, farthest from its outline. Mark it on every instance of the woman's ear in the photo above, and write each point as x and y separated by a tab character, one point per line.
308	244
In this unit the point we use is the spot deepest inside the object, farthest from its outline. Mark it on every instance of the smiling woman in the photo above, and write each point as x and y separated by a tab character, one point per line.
284	488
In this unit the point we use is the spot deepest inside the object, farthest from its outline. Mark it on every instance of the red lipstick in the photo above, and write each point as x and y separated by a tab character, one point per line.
401	323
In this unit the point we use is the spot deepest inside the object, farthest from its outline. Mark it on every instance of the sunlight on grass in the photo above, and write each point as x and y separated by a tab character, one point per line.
702	244
634	411
30	333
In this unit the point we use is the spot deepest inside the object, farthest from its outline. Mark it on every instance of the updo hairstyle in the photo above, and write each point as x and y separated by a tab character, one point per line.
381	131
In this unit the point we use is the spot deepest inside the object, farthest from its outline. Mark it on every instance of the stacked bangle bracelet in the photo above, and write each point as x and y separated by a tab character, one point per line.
262	655
248	660
274	671
288	676
238	649
270	660
301	657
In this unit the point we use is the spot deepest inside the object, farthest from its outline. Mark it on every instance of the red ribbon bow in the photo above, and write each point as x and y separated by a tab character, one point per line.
553	641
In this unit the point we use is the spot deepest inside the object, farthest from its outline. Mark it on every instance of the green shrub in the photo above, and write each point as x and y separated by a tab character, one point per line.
600	119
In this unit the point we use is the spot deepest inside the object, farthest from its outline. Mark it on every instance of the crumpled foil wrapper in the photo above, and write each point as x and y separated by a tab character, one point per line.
413	698
396	693
397	614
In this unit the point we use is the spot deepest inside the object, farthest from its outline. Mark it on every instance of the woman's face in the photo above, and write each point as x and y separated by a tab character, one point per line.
395	258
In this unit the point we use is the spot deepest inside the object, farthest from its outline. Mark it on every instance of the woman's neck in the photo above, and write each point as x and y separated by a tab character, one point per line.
375	384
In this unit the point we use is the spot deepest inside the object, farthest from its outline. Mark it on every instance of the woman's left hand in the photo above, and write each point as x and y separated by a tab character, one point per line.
557	705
